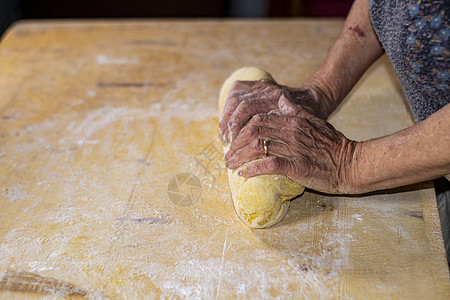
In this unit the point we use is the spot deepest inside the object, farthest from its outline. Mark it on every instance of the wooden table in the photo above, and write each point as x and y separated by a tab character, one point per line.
112	182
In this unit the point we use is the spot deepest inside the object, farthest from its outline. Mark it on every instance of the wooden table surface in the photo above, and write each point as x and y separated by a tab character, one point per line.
112	182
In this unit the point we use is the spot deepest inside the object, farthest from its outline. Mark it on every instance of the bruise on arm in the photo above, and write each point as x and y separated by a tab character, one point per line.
357	30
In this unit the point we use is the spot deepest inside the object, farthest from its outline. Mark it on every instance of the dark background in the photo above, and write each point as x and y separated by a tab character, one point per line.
11	10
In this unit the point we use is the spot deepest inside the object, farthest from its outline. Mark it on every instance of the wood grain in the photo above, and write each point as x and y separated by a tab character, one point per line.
101	122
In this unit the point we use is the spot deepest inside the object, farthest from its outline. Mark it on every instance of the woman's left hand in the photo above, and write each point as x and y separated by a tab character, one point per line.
301	146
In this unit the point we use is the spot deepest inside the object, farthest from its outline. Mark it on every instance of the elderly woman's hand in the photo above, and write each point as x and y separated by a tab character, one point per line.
305	148
248	98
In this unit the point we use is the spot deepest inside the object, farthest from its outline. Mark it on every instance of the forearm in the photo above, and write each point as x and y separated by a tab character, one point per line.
356	48
416	154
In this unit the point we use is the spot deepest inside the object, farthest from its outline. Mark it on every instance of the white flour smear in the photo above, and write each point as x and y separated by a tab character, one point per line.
97	206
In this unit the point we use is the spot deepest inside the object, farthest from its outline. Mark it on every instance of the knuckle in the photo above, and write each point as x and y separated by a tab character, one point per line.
273	163
254	130
258	118
243	105
268	89
299	137
300	122
255	145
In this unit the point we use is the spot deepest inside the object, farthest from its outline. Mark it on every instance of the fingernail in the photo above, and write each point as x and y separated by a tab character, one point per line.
241	171
275	112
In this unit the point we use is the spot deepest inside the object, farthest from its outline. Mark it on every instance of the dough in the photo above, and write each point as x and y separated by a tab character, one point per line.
260	201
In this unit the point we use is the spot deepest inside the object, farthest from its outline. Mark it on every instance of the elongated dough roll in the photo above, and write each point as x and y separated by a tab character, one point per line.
260	201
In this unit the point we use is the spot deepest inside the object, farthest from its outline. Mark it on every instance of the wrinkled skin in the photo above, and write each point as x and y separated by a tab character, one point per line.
248	98
305	148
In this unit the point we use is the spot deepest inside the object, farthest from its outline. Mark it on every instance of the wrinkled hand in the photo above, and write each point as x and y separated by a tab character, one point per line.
305	148
248	98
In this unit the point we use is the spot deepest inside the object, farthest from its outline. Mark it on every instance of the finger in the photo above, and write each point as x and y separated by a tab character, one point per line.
242	85
243	90
277	131
291	109
255	149
254	130
245	111
239	90
232	101
273	120
269	165
261	99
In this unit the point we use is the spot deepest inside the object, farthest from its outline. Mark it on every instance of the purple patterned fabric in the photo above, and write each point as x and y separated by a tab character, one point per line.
415	35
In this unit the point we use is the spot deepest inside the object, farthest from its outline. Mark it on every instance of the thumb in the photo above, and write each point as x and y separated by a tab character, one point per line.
288	108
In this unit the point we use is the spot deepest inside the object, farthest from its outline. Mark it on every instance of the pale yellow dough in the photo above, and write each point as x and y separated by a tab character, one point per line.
260	201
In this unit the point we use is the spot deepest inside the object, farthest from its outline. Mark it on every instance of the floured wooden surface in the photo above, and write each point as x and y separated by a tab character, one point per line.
112	182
